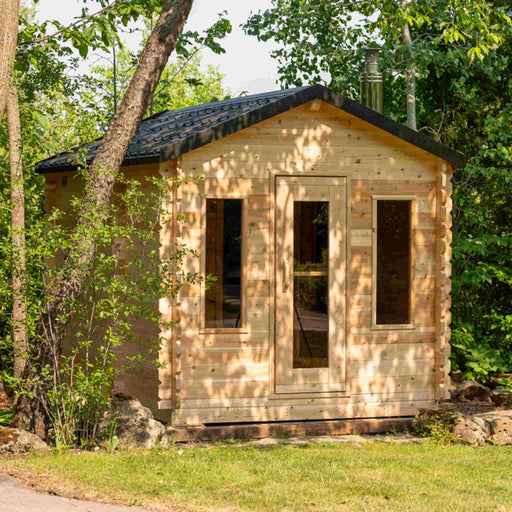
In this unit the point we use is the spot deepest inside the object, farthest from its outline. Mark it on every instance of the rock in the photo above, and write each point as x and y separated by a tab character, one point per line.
15	440
469	391
124	406
136	427
471	429
501	398
167	439
501	430
139	433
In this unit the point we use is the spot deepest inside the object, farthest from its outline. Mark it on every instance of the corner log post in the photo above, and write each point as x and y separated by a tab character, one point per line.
176	333
169	307
443	282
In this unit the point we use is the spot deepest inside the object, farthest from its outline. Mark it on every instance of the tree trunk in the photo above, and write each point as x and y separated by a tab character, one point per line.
410	76
9	15
32	412
411	82
19	309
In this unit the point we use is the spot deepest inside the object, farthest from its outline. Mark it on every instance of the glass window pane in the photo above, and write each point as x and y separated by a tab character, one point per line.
224	261
393	261
310	285
311	235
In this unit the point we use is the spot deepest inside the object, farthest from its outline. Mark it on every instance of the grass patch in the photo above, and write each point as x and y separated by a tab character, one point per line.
316	477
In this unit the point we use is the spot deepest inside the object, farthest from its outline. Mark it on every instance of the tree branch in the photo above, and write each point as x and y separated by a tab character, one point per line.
180	69
74	24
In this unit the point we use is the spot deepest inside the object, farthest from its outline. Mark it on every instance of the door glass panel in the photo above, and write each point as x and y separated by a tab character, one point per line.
310	284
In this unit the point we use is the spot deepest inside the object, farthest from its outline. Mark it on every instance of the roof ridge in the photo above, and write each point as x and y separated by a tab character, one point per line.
245	99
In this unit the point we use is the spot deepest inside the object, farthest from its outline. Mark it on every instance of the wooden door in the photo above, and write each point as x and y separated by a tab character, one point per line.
310	281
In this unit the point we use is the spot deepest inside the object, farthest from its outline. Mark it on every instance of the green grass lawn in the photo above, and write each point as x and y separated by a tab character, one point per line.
309	477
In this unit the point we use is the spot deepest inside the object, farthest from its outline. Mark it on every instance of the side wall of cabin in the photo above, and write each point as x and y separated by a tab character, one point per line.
215	377
143	383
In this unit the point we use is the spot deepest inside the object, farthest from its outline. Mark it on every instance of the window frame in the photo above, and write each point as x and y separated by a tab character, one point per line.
243	271
412	263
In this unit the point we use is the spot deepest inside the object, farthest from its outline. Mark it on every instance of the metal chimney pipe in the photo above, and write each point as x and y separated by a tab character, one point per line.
372	90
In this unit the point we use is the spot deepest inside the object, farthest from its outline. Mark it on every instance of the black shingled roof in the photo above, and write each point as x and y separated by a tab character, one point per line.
170	134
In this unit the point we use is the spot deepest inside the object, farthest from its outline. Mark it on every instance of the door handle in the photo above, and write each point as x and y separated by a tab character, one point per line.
286	275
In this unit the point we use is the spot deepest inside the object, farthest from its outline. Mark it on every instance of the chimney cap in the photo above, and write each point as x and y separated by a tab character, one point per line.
371	80
372	49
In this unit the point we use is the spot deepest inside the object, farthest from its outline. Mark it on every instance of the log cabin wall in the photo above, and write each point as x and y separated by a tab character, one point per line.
61	188
216	376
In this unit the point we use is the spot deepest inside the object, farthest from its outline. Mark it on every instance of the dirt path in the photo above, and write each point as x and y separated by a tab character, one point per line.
15	497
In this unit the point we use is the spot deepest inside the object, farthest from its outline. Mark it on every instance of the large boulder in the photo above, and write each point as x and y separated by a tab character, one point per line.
470	391
444	424
471	429
15	440
135	424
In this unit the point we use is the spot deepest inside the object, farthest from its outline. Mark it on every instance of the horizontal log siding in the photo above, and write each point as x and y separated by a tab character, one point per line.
61	189
226	377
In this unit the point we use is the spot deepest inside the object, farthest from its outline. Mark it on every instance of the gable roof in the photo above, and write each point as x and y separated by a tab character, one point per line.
169	134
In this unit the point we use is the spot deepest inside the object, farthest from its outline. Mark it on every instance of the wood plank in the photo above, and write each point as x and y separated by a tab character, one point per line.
226	355
266	430
382	385
192	339
258	313
363	336
362	190
364	301
393	352
235	188
239	388
423	392
191	203
298	412
391	368
361	238
233	370
258	288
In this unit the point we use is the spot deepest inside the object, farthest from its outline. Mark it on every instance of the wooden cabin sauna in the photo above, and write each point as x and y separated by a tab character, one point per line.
327	226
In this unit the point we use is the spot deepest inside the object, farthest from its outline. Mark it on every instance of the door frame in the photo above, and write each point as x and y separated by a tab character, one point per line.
342	388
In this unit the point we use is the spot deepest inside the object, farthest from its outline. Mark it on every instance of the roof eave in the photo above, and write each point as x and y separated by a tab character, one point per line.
70	166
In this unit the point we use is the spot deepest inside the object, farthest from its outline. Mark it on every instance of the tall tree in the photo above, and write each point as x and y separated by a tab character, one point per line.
9	15
19	309
31	410
319	40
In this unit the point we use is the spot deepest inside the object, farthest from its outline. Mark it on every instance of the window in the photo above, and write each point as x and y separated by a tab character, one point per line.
223	299
392	243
